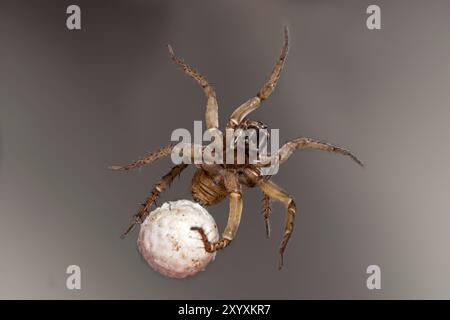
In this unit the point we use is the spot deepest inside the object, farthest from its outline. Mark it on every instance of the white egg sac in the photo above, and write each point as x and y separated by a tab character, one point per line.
168	244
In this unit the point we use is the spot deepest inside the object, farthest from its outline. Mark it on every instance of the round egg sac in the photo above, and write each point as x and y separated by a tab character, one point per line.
168	244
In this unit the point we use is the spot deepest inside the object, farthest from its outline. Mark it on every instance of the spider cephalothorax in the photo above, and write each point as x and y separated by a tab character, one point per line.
214	182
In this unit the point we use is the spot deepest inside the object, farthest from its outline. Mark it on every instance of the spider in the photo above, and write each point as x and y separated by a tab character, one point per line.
212	183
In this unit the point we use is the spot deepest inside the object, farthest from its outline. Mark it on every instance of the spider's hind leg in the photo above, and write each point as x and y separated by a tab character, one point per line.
162	185
273	191
266	214
234	217
151	157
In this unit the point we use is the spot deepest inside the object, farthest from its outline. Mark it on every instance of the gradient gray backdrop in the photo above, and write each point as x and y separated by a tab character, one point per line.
74	102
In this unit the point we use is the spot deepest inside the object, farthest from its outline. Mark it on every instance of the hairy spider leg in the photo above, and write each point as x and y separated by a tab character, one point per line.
275	192
160	187
234	218
303	143
266	214
244	109
212	109
148	159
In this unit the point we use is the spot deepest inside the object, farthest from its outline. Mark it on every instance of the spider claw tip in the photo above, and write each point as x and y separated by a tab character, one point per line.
280	263
169	47
360	162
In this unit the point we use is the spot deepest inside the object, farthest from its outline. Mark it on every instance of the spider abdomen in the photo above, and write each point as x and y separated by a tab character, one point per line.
205	190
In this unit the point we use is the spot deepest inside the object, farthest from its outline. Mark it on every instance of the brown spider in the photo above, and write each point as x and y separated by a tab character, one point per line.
214	182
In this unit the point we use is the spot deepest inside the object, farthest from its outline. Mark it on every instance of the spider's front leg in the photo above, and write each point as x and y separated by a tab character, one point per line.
253	103
234	218
162	185
273	191
212	109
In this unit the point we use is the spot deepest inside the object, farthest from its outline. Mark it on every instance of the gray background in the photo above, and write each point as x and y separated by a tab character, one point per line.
72	103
